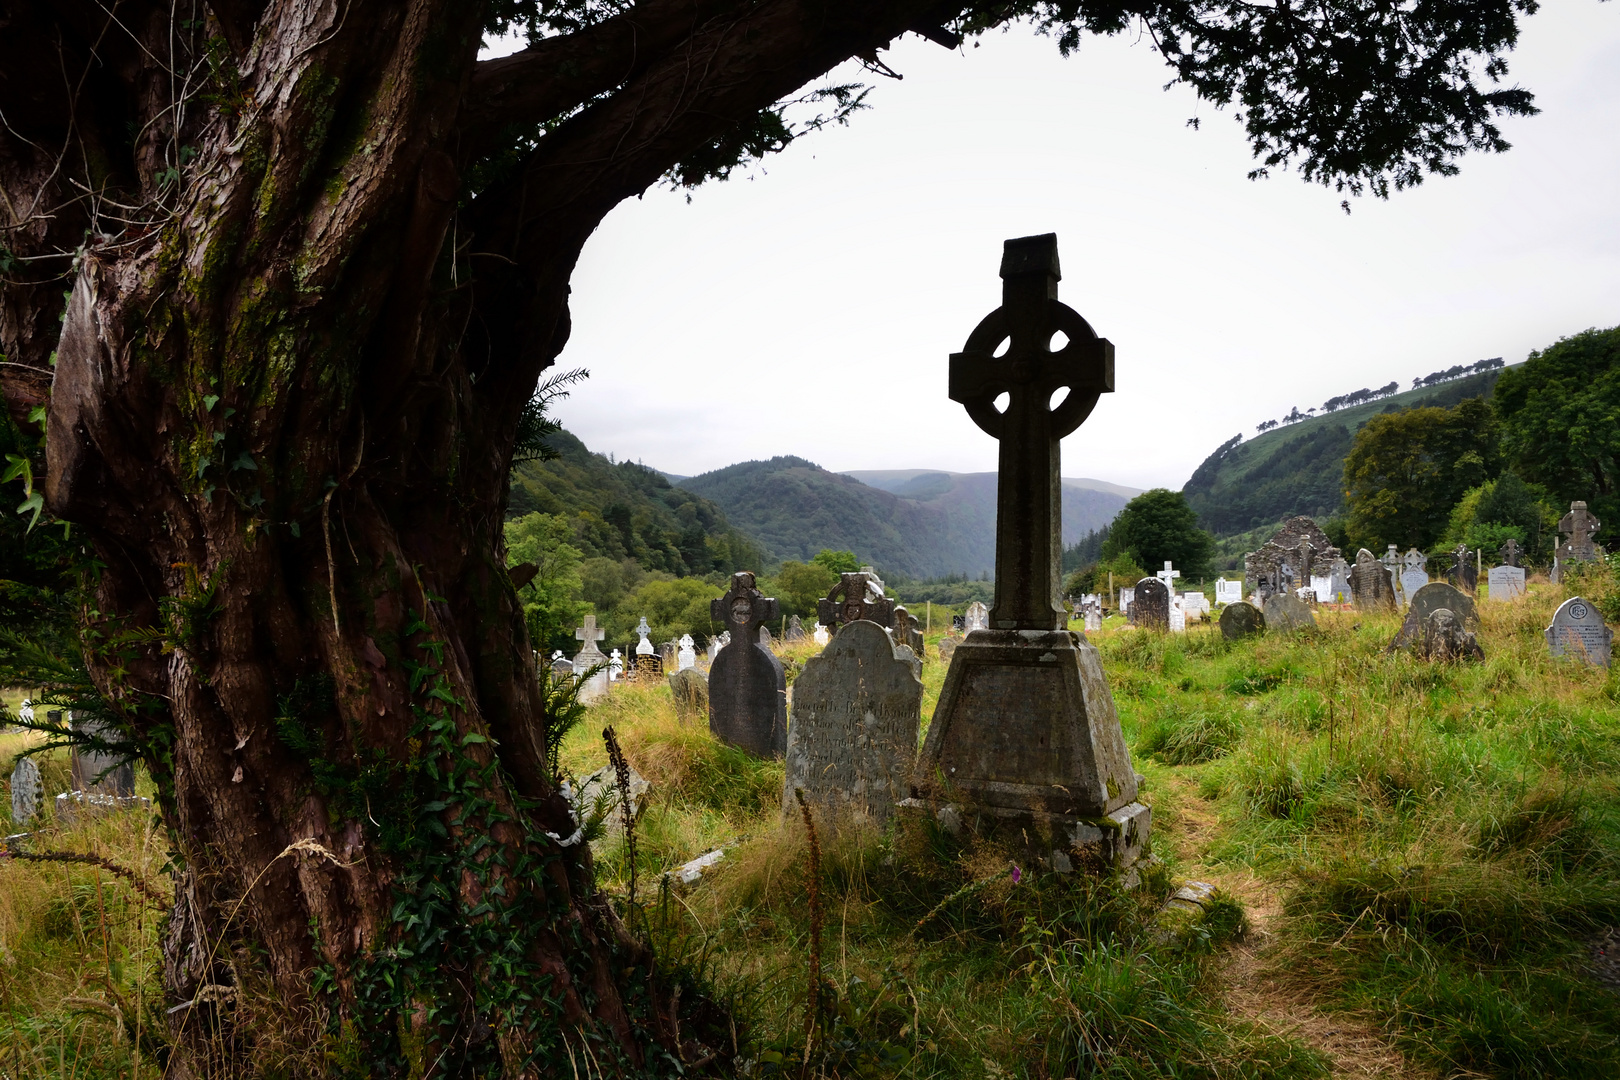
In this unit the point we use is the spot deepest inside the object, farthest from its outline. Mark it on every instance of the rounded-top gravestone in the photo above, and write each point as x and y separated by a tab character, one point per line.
1431	598
1286	613
691	690
1578	630
1241	620
747	686
1151	608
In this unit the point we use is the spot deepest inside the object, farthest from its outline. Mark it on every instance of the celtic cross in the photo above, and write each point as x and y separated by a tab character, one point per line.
1035	418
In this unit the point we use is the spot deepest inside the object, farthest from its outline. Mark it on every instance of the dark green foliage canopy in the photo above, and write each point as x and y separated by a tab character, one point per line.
1560	413
1407	470
1158	526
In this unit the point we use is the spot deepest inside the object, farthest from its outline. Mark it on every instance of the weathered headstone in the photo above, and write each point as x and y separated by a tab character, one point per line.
1578	630
1286	613
1510	553
601	790
1150	609
1504	583
1241	620
1464	569
1414	574
686	657
27	792
98	772
666	655
1444	638
1228	592
795	630
1425	602
947	646
1127	597
857	595
1579	530
691	691
747	687
977	617
1178	614
1370	585
907	632
1322	589
1339	577
644	647
1093	617
1196	604
588	657
856	711
1026	735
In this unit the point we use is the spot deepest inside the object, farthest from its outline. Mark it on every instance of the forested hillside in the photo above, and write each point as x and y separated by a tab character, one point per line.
926	524
1299	468
620	510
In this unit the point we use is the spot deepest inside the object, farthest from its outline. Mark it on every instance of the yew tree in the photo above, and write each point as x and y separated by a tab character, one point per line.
278	280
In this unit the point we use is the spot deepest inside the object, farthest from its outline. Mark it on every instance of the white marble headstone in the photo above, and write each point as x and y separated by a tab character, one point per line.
687	657
644	647
1127	597
978	617
1178	614
615	666
1228	592
1504	583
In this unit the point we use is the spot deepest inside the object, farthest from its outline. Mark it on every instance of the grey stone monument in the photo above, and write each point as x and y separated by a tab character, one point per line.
977	617
1093	616
1429	599
747	687
1370	585
1241	620
1026	738
691	691
856	711
95	771
1414	574
1285	613
947	646
1504	583
591	657
1150	609
907	632
1579	530
858	595
1510	553
1464	569
795	630
1444	638
1578	630
27	792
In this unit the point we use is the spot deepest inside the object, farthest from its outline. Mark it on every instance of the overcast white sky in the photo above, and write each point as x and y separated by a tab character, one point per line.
810	308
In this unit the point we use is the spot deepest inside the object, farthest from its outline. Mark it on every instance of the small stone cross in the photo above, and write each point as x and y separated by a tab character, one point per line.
1168	576
744	609
1579	527
1049	394
644	647
590	635
1510	553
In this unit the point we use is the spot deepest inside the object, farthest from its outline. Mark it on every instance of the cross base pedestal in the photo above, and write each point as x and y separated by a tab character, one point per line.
1026	742
1114	843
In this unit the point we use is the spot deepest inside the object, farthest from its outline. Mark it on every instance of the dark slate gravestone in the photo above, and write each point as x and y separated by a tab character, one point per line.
1241	620
96	770
1026	740
1150	610
1578	630
1286	613
1464	569
747	687
1370	585
1429	599
857	595
856	711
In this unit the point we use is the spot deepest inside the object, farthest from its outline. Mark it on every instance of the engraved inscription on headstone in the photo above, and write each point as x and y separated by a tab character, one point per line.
1578	630
1504	583
747	687
1370	586
856	712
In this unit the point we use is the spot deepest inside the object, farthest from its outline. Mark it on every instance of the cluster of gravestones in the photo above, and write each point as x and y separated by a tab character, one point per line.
100	781
1025	744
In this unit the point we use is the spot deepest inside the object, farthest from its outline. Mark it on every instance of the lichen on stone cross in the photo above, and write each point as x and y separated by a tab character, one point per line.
858	595
744	609
1036	417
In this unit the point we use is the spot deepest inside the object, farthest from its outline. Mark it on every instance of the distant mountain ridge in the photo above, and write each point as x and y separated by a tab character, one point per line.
916	522
1299	469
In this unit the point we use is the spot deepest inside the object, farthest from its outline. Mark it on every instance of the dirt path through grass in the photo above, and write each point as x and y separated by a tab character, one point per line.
1353	1048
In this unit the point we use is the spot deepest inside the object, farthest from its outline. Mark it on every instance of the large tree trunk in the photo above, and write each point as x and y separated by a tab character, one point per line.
282	412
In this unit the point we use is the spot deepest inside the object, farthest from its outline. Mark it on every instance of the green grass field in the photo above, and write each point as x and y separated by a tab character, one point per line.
1413	863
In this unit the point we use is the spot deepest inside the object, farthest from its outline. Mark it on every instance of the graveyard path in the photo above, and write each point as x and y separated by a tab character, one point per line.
1252	989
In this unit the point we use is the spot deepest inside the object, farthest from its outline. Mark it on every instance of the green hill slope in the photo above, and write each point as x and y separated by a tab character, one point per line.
624	510
1299	469
926	524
